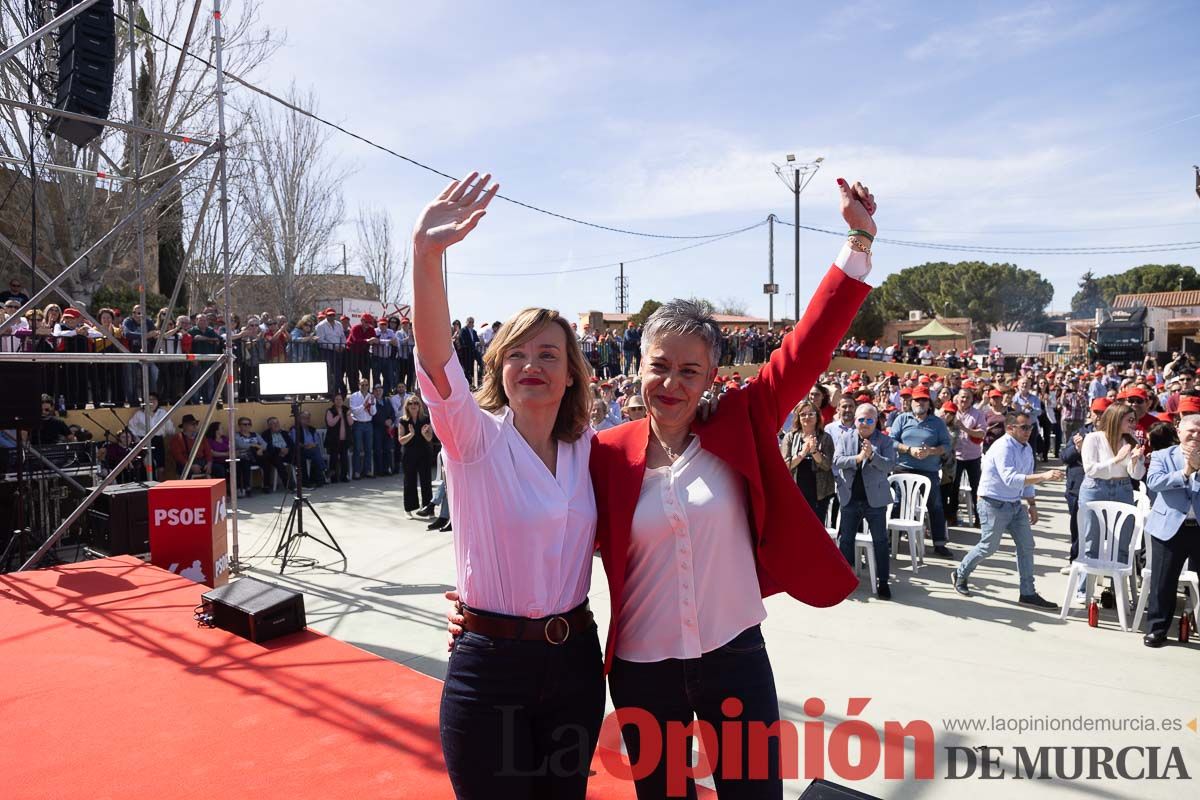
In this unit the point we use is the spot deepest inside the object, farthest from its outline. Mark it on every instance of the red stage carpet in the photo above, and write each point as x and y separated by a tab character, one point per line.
108	689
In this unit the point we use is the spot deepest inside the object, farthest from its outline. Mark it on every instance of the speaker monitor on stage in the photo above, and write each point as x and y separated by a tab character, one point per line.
121	520
255	610
87	53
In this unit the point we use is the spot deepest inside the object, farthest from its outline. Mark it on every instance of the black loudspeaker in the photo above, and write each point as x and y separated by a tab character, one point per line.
21	402
254	609
87	52
824	790
121	520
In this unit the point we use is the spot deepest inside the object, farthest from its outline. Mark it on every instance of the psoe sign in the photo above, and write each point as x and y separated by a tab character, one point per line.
180	516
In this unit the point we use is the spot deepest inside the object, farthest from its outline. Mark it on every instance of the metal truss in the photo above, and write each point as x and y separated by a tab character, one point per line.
222	364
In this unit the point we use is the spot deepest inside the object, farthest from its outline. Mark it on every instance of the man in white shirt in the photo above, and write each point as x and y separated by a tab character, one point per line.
362	410
486	335
331	342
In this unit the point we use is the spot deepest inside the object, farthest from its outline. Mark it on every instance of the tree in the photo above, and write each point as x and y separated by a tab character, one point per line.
648	308
1148	278
293	200
733	306
73	211
1089	297
381	261
992	295
868	323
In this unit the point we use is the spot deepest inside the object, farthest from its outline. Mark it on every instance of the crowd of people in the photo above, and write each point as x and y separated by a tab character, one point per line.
378	349
1105	423
923	353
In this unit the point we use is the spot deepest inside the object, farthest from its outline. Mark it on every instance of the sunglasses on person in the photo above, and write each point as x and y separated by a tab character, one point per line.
1026	427
1134	400
865	420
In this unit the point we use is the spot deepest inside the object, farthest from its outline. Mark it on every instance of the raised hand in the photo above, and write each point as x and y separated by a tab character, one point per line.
455	212
858	206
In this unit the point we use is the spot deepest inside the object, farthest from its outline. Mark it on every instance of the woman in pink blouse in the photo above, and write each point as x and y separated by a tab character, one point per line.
524	691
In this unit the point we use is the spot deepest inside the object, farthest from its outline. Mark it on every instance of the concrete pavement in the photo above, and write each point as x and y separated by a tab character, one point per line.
984	663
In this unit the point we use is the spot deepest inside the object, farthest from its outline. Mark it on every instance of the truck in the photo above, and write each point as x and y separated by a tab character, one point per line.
1127	335
1019	343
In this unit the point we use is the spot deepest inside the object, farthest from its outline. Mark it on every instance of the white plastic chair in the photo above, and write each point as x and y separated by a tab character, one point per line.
1111	518
1188	578
831	521
909	514
863	544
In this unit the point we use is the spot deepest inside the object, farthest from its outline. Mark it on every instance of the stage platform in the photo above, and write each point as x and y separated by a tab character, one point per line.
109	689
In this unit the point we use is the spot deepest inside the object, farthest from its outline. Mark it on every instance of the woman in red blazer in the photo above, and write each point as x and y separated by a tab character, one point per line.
699	521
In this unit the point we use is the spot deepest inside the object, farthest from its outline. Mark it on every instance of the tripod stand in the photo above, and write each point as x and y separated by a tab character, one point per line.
294	531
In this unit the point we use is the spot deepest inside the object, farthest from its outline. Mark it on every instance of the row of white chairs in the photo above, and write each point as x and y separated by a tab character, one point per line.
905	515
1111	518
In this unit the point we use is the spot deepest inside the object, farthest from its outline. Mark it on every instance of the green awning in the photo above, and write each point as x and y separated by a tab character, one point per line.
935	330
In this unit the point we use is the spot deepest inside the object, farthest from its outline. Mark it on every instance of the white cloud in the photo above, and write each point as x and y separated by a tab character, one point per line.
1016	33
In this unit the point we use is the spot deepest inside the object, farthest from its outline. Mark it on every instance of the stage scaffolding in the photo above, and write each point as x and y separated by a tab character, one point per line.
221	365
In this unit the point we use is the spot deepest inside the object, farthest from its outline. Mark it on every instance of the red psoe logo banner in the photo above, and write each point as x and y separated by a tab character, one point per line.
188	531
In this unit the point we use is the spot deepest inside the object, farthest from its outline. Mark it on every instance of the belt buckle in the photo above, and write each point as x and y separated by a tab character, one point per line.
566	627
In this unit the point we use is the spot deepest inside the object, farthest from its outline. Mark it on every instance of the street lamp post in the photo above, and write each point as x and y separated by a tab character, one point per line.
796	175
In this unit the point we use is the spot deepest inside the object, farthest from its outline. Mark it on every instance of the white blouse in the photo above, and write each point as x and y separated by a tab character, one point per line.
1100	462
691	584
523	537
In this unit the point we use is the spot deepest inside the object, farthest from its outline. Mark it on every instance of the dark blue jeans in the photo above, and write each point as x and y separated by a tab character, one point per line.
521	719
680	690
850	523
364	447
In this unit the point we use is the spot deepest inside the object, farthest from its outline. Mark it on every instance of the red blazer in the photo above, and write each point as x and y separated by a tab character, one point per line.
793	552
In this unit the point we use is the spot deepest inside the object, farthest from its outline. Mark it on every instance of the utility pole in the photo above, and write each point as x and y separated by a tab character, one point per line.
771	289
622	292
796	175
345	266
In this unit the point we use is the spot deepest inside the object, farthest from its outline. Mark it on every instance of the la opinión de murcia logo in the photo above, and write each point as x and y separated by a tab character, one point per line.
851	750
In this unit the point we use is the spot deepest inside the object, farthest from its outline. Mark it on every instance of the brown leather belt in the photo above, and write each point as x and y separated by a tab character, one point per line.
555	629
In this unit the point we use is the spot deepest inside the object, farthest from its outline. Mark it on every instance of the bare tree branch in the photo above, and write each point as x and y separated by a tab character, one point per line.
293	200
379	259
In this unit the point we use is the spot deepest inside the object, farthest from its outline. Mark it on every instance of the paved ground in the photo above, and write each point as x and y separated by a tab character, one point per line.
928	655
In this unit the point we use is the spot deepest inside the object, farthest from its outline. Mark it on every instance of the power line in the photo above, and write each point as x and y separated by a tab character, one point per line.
612	264
708	238
1166	247
305	112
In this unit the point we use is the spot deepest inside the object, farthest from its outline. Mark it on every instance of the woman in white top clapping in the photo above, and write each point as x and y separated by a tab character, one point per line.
524	692
1112	460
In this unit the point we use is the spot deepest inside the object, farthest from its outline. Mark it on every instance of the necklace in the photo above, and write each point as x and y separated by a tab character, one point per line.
671	454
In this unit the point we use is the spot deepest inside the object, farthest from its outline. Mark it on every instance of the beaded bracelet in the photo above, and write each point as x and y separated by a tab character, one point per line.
859	245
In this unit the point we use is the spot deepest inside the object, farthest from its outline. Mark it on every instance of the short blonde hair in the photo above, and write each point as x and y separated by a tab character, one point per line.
574	411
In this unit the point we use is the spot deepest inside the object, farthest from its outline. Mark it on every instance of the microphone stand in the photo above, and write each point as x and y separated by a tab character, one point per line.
109	436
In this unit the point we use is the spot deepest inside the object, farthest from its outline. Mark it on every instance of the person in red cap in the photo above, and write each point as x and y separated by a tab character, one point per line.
921	441
358	343
1138	399
1188	404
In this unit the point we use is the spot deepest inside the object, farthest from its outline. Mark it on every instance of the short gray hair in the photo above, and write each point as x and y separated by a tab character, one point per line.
867	407
686	318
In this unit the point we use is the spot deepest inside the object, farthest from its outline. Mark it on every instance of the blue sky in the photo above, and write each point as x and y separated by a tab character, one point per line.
1044	124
